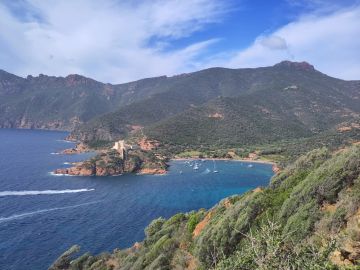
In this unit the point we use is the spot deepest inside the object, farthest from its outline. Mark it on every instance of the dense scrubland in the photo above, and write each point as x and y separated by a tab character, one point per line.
307	218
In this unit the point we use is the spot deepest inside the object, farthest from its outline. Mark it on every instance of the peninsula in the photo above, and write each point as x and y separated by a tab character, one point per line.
121	158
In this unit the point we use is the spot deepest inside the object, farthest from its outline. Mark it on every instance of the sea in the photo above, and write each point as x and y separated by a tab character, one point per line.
42	215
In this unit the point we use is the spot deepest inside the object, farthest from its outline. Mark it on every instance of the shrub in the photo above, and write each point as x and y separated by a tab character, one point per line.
266	248
194	219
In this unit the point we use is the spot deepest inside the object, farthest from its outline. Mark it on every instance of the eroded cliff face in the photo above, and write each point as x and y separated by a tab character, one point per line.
58	103
25	123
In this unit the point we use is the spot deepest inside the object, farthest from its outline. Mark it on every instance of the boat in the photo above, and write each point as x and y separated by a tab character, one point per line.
250	165
196	166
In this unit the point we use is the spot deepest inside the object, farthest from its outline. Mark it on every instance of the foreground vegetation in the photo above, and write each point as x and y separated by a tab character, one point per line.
308	218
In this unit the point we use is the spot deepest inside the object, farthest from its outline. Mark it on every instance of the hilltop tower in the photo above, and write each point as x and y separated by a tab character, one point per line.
121	148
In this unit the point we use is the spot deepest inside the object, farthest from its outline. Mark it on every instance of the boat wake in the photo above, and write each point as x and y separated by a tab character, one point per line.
64	141
42	192
24	215
206	171
59	174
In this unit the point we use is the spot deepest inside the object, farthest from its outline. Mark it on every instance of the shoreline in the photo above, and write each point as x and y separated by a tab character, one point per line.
275	168
226	159
80	148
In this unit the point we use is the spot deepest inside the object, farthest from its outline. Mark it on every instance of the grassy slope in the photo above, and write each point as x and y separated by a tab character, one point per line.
307	215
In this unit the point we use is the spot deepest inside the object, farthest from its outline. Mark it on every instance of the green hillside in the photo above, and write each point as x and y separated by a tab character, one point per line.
308	218
222	106
256	118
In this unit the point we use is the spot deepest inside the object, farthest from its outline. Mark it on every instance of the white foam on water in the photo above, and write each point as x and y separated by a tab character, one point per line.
206	171
54	153
42	192
24	215
59	174
64	141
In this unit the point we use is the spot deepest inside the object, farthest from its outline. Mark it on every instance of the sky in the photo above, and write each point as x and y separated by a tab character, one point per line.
118	41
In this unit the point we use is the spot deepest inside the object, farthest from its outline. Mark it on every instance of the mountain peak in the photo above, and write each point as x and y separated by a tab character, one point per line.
298	65
76	79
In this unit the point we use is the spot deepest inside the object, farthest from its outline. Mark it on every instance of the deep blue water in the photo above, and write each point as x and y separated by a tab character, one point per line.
36	228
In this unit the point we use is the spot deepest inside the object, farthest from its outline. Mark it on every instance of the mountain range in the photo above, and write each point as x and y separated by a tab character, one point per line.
216	106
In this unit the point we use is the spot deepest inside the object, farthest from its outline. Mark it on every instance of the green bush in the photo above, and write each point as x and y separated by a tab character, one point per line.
267	248
194	219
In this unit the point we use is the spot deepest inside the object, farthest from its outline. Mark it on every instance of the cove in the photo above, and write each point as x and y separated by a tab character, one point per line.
42	215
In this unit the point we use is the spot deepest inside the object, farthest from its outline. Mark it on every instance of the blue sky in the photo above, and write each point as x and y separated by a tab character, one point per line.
118	41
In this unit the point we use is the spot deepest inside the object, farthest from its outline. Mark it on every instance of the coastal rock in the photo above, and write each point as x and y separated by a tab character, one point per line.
79	169
79	148
100	171
152	171
111	163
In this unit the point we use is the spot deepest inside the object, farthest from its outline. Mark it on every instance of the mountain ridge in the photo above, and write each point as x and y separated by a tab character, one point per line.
95	111
200	88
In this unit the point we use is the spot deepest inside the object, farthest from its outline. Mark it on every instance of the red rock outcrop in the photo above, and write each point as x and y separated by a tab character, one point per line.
152	171
147	145
201	225
79	170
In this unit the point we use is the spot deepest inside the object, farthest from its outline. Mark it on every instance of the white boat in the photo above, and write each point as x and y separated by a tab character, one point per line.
196	167
250	165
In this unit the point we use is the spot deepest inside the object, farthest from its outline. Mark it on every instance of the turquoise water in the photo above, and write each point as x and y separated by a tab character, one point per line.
42	215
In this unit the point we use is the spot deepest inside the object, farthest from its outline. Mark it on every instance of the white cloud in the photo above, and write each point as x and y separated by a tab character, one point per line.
106	40
118	41
272	42
330	42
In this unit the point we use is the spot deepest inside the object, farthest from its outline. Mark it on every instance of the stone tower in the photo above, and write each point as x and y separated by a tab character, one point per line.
121	148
